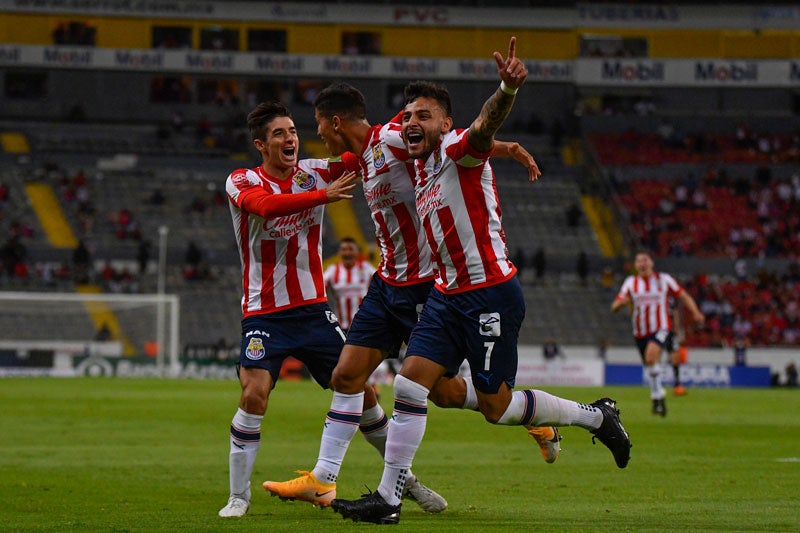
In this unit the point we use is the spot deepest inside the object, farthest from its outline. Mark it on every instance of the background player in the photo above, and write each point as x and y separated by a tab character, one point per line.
647	293
348	280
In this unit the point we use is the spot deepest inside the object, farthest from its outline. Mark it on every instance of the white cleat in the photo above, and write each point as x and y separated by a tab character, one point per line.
427	499
236	507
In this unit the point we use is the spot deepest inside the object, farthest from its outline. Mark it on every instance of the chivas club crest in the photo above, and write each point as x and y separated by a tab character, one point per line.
437	160
378	157
255	349
304	180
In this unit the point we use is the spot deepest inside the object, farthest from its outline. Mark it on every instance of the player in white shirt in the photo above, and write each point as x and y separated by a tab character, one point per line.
476	308
648	294
390	309
277	211
348	280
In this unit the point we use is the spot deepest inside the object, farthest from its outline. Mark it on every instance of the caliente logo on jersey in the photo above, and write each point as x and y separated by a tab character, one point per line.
304	180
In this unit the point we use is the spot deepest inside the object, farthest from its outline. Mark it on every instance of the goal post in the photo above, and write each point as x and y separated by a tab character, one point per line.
84	324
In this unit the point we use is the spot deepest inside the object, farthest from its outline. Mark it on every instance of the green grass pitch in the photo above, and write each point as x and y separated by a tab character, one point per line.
151	455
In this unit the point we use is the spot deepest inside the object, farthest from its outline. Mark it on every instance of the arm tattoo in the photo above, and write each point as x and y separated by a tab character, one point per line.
491	117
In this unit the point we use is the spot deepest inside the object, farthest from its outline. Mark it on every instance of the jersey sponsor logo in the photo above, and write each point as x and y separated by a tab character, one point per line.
304	180
429	200
380	197
255	349
489	324
378	157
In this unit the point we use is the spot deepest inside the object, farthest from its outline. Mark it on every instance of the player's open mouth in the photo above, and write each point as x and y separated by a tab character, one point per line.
413	137
288	152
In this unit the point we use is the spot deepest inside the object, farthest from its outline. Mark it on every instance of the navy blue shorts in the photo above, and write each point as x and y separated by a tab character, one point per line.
481	326
664	338
387	314
309	333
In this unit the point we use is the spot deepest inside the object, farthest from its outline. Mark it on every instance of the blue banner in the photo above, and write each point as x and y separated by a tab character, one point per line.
695	375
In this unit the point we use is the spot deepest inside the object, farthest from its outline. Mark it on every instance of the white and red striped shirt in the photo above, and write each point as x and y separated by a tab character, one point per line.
458	204
349	286
650	299
278	224
388	178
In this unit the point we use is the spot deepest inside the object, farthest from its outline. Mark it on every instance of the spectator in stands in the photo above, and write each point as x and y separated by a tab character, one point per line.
740	345
573	214
582	267
143	255
157	198
103	333
791	375
521	262
195	268
551	350
539	264
81	262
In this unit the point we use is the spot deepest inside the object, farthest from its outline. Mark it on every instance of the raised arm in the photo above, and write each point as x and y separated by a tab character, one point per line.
520	155
512	74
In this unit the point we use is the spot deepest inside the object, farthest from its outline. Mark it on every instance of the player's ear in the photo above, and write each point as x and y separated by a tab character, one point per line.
336	122
447	124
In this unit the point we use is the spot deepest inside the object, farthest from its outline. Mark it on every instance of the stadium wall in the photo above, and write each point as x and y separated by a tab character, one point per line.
581	365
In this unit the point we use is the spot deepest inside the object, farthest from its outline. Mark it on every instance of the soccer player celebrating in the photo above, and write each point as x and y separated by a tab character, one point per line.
477	306
277	211
348	280
391	307
648	294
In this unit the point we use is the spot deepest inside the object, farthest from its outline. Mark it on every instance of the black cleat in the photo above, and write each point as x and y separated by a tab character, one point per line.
370	508
660	407
611	433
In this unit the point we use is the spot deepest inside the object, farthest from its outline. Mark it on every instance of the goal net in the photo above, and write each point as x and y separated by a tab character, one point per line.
44	333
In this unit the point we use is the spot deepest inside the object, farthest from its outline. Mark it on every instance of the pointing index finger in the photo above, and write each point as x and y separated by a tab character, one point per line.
512	47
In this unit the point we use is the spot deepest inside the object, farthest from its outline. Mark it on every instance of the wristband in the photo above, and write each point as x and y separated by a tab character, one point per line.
508	90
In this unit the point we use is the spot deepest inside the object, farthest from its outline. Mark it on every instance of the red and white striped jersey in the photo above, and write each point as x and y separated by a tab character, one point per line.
349	286
278	224
650	299
460	211
388	179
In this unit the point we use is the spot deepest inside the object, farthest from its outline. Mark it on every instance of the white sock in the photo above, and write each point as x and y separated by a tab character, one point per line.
406	429
245	441
341	425
375	426
471	401
551	410
654	380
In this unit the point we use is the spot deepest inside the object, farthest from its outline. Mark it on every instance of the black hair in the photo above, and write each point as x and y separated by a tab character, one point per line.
426	89
340	99
264	113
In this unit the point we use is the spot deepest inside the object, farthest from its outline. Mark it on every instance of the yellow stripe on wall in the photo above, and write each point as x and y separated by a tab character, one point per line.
14	143
101	314
51	217
605	228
